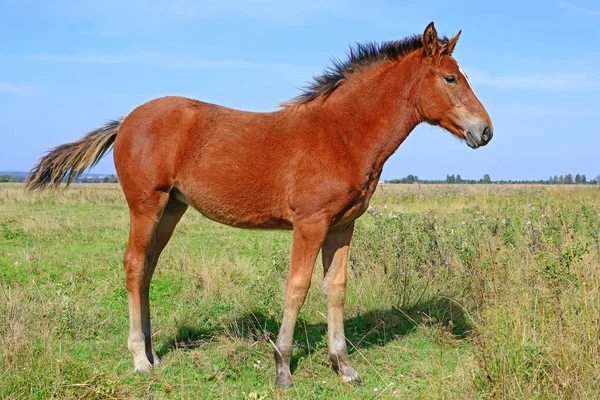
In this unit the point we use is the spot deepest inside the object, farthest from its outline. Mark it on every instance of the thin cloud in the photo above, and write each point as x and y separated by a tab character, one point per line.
18	89
560	82
546	111
114	18
151	12
176	61
578	8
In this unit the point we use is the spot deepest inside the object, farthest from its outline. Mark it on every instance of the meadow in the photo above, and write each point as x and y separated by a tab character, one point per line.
458	291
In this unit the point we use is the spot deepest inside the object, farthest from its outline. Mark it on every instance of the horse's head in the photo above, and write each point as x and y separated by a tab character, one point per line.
446	97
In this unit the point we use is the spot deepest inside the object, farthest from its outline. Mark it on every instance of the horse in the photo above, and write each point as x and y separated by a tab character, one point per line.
310	167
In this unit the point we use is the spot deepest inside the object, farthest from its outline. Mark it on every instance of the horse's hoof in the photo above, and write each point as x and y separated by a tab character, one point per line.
143	366
348	373
284	381
353	380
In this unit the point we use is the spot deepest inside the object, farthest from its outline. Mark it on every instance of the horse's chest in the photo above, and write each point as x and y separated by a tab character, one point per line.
356	205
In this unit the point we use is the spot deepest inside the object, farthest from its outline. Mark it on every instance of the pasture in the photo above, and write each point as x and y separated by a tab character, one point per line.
459	291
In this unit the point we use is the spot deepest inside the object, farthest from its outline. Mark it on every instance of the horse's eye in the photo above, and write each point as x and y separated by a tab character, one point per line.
450	79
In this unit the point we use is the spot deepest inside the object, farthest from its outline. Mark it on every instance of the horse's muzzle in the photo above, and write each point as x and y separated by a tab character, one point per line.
478	136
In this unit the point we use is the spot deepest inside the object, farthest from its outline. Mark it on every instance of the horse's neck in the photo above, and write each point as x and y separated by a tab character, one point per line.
378	111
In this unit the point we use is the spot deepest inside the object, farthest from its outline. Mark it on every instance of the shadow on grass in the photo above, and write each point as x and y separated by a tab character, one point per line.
374	328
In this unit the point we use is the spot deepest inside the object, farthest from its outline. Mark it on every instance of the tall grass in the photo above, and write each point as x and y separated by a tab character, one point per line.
524	263
454	292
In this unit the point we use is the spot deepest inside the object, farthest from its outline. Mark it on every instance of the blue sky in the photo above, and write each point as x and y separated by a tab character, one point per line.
70	65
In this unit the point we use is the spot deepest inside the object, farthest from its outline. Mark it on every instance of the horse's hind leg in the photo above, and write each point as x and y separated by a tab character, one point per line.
169	219
151	227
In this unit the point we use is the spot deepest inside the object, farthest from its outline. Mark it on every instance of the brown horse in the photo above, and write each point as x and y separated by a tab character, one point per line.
310	167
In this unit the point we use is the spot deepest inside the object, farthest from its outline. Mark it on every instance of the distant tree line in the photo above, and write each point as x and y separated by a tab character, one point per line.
567	179
84	179
93	179
9	178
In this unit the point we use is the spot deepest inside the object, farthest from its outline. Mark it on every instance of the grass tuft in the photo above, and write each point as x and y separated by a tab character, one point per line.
460	291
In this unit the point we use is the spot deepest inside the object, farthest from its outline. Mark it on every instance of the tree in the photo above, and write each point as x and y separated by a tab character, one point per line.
8	178
569	179
458	179
450	179
583	179
487	179
578	179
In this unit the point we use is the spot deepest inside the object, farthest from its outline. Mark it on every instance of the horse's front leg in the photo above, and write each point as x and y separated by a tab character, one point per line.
307	239
335	258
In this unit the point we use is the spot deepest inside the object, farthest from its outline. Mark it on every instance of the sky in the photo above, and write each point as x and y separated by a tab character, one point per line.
68	66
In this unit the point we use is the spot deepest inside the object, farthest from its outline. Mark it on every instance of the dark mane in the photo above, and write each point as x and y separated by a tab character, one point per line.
359	56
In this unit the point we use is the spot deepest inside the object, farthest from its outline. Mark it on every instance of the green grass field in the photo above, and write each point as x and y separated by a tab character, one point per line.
455	291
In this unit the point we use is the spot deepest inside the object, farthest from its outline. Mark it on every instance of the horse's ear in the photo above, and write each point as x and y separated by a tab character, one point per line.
452	43
430	41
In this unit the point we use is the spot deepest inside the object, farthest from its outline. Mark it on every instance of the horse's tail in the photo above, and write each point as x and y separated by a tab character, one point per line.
68	161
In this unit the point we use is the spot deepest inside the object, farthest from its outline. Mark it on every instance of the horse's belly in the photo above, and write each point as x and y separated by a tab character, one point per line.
243	207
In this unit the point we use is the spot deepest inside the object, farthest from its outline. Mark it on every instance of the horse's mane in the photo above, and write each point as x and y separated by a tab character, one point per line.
359	56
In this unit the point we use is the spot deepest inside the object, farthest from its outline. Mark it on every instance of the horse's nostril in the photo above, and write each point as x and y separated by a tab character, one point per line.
486	135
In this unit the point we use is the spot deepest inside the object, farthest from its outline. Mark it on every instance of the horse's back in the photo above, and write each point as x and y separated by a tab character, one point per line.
226	163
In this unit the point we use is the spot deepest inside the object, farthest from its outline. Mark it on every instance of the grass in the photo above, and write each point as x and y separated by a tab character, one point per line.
459	291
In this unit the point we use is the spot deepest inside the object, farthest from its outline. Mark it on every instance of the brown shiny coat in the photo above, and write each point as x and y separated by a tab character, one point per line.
311	167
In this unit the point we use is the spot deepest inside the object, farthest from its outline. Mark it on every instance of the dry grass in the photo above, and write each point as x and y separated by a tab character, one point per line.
456	291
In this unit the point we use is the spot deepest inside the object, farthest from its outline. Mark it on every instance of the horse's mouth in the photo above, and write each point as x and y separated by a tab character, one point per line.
471	142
